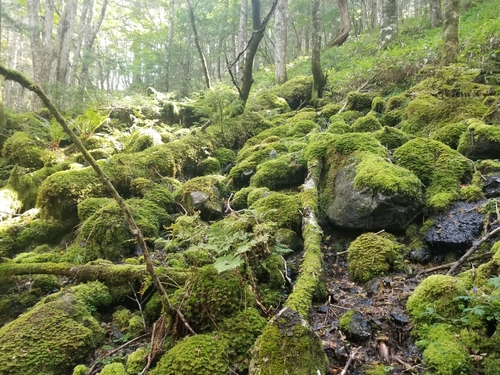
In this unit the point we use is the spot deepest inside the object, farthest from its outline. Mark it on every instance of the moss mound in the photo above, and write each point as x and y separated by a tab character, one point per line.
358	101
284	171
450	134
114	369
368	123
480	140
391	138
296	91
25	151
281	209
370	255
439	168
51	338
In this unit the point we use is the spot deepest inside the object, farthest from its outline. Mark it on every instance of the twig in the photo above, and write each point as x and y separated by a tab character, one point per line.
137	300
92	369
228	205
350	360
448	265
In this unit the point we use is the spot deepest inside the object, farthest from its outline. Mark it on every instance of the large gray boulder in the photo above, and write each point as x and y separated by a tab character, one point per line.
370	207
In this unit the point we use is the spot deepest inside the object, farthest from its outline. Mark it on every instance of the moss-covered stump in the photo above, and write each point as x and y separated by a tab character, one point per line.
105	234
199	354
54	336
480	140
288	346
25	151
204	194
371	255
440	168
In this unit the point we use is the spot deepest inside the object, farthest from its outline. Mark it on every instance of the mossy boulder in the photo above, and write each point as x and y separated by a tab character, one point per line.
136	361
391	138
105	233
440	168
368	123
204	194
288	346
257	193
268	100
115	368
295	91
480	140
51	338
210	297
450	134
198	354
284	171
373	194
158	193
371	255
281	209
378	104
225	156
435	299
23	150
355	326
208	166
419	113
358	101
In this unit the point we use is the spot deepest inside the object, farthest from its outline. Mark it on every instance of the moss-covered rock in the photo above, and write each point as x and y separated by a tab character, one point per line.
284	171
10	203
371	255
439	167
199	354
295	91
158	193
257	193
204	194
115	368
378	104
480	140
268	100
435	299
358	101
330	109
51	338
208	166
450	134
368	123
136	361
420	112
288	346
225	156
239	201
281	209
25	151
391	138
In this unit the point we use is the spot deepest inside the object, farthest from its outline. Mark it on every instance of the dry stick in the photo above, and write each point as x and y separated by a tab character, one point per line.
448	265
91	370
349	361
23	81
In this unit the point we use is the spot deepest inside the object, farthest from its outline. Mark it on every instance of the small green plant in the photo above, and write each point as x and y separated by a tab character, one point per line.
481	305
87	124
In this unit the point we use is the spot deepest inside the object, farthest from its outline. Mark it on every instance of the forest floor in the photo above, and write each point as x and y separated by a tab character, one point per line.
384	330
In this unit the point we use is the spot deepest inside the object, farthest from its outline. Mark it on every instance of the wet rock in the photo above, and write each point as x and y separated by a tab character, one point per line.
367	208
491	186
455	229
323	309
355	326
421	255
373	287
399	318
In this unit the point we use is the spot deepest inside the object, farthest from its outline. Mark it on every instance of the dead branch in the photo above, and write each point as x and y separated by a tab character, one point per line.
352	356
448	265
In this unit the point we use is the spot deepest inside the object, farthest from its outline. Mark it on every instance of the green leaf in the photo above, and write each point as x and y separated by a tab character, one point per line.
227	262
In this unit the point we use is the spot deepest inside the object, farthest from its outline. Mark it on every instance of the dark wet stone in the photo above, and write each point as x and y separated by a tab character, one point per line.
323	309
359	329
491	186
421	255
373	287
456	229
399	318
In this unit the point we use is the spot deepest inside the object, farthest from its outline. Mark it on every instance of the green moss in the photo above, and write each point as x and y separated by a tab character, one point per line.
316	149
434	299
348	116
138	141
305	114
281	209
212	186
136	361
375	369
198	354
479	136
330	109
80	370
368	123
450	134
302	128
224	156
370	255
488	166
284	171
338	126
346	144
105	234
23	150
378	104
358	101
420	112
396	102
474	191
391	138
257	193
208	166
158	193
50	339
115	368
239	201
439	168
345	320
295	91
210	297
268	100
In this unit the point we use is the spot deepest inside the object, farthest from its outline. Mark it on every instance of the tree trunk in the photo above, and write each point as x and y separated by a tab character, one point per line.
374	14
242	36
3	120
259	28
450	31
82	24
317	72
170	39
281	42
345	26
435	14
198	46
64	39
389	30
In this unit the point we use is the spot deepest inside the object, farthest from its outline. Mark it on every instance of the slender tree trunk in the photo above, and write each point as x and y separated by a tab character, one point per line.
374	14
281	41
317	72
198	46
259	28
345	26
170	39
435	15
389	30
64	38
450	31
82	27
242	37
3	120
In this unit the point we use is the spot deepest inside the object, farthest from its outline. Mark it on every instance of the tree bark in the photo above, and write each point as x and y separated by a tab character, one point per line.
317	72
345	26
435	15
3	120
242	36
281	41
259	28
64	39
82	24
198	46
389	29
450	31
170	39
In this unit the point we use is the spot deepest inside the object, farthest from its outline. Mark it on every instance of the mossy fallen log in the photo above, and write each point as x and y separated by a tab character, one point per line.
106	273
287	344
